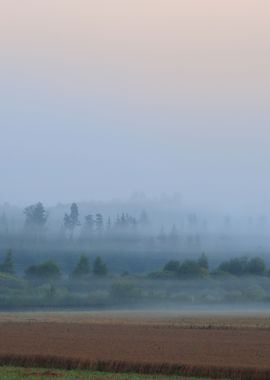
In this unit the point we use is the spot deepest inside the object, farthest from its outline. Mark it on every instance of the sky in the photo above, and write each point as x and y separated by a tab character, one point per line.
100	99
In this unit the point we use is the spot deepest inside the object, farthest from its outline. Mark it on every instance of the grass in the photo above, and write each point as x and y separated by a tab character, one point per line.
20	367
12	373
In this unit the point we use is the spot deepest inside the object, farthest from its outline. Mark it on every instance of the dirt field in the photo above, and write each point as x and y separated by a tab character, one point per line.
235	347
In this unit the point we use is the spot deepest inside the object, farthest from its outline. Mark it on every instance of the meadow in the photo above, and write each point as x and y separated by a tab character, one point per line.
13	373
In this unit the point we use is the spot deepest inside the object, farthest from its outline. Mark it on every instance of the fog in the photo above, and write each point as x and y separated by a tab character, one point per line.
143	232
142	254
138	133
105	108
222	168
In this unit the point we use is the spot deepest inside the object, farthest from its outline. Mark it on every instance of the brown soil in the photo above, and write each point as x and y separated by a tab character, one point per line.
157	347
170	319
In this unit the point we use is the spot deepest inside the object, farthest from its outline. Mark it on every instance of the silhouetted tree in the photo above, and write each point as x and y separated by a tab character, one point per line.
35	215
257	266
162	237
99	267
172	266
190	268
244	266
236	266
35	219
8	264
203	261
109	226
71	220
99	223
88	227
173	236
51	291
45	271
82	268
125	291
132	223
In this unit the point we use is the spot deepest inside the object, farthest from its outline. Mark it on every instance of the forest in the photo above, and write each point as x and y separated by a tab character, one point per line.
68	257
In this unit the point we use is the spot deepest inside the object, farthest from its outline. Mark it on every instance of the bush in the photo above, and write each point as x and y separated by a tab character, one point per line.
243	265
161	275
190	268
257	266
255	293
7	280
46	271
172	266
125	291
236	266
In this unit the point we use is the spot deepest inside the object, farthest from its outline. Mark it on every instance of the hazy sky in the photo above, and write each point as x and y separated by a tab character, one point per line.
101	98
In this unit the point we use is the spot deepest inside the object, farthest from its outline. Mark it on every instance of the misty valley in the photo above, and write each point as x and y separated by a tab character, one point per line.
159	256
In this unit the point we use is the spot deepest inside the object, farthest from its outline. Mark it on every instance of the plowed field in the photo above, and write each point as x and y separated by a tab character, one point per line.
242	351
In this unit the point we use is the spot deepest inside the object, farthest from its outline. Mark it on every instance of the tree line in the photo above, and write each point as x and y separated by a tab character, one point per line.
50	270
96	225
74	227
238	266
36	217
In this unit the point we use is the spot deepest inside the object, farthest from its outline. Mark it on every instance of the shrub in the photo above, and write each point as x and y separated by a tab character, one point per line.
243	265
7	280
172	266
161	275
236	266
257	266
125	291
190	268
46	271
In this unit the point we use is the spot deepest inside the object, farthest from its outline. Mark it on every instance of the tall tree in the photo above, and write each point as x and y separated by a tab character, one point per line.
203	261
35	215
100	268
8	264
109	226
162	237
71	220
82	268
99	223
88	227
35	219
174	236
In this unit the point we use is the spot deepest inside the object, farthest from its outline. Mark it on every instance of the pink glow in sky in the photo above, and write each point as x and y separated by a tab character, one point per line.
153	95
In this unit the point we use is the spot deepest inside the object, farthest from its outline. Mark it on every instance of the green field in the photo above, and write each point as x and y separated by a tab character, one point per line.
10	373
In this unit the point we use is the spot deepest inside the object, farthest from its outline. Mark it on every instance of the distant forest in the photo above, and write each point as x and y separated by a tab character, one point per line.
141	238
93	256
90	284
165	222
72	227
